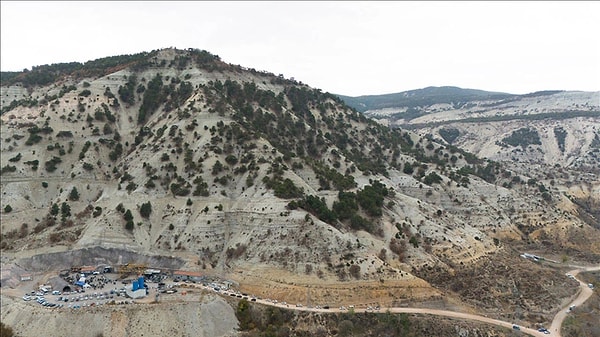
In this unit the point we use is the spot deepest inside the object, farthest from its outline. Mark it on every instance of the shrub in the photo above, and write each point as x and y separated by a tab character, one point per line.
432	178
74	195
97	211
65	210
88	166
54	209
131	186
231	159
51	164
146	210
398	247
128	216
129	225
15	158
8	168
7	209
54	237
355	271
85	93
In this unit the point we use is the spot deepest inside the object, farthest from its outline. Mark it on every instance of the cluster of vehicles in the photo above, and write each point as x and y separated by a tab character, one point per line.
61	300
283	303
41	300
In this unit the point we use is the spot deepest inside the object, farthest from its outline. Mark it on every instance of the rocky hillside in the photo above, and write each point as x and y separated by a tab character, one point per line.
545	135
273	183
549	127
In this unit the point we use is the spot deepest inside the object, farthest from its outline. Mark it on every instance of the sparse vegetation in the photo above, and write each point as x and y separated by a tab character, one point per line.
523	137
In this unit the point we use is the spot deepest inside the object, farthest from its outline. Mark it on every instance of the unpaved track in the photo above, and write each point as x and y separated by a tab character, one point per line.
584	293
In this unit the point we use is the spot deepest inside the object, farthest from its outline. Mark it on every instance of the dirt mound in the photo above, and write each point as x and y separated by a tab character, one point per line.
211	317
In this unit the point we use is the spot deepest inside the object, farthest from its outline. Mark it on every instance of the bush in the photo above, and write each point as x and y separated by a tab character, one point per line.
15	158
128	216
398	247
7	209
65	210
432	178
231	159
74	195
85	93
8	168
88	166
51	164
131	186
54	210
146	210
355	271
97	211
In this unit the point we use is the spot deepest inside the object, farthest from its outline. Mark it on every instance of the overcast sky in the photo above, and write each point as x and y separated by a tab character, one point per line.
349	48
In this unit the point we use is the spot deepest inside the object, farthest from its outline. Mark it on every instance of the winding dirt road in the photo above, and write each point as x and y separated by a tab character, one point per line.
584	293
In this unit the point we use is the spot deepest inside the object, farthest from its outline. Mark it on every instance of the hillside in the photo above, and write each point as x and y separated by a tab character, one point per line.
555	126
538	132
275	185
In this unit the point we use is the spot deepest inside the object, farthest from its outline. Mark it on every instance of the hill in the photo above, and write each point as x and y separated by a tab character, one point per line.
421	97
540	131
275	185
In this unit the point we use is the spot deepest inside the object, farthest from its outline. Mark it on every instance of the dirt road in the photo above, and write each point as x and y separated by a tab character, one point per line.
584	293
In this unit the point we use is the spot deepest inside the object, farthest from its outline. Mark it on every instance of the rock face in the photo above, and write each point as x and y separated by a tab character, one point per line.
183	160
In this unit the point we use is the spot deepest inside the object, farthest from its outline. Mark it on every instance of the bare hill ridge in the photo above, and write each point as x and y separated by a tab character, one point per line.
243	173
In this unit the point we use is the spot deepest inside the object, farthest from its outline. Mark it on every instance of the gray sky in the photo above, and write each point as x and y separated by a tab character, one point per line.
350	48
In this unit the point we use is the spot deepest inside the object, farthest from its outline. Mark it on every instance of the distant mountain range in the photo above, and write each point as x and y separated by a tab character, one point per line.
429	96
499	126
